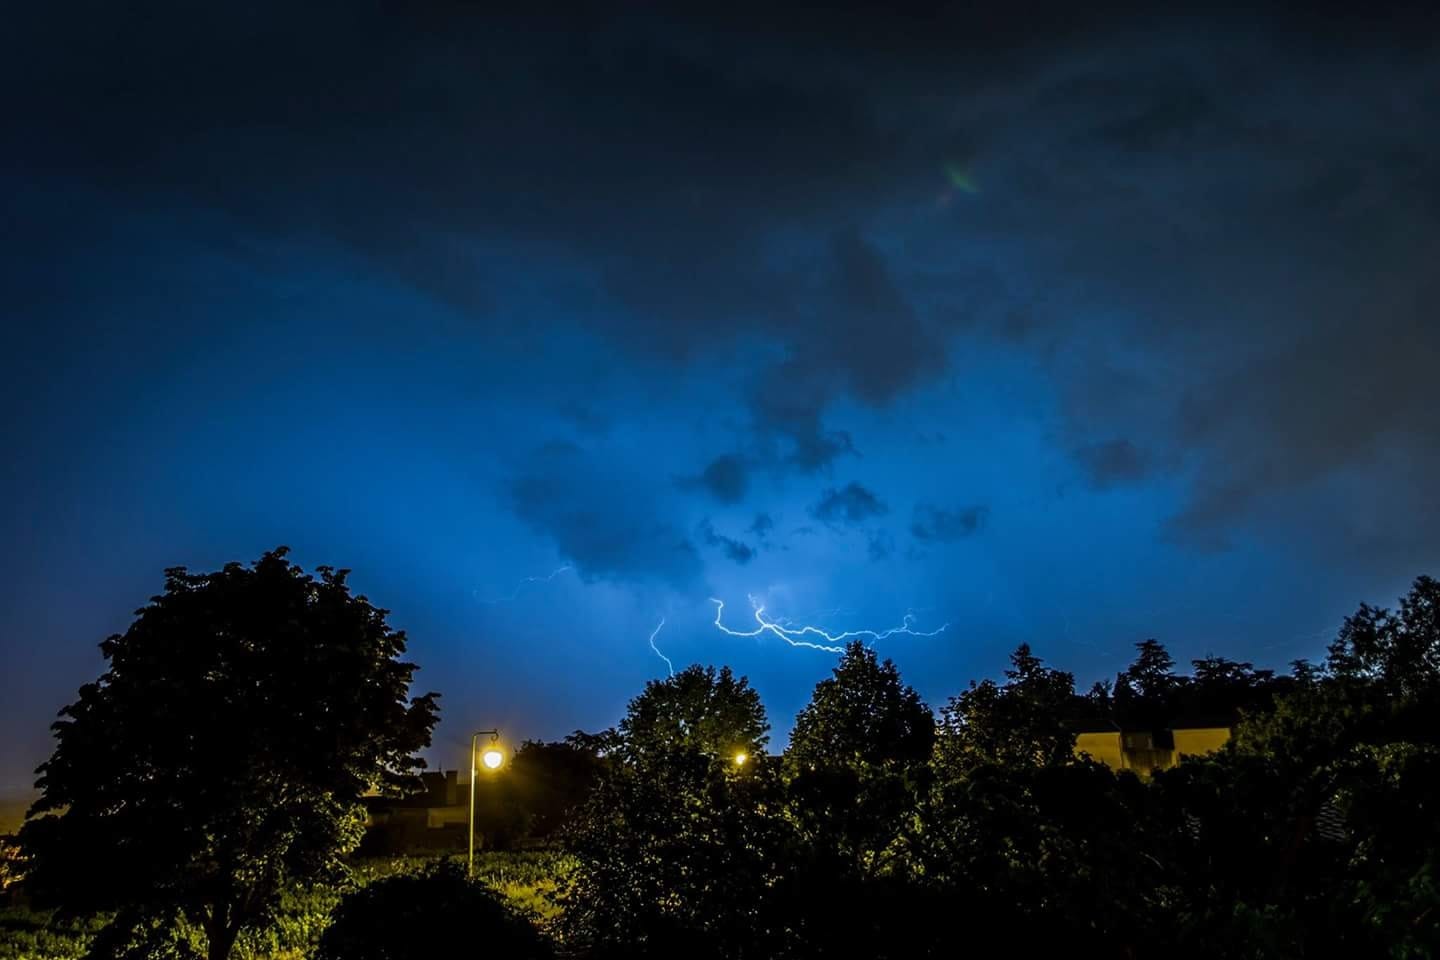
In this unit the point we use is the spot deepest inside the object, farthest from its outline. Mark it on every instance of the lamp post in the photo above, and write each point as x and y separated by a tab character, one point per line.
493	757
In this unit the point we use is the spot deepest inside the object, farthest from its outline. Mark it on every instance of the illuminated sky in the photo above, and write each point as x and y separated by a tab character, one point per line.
1066	328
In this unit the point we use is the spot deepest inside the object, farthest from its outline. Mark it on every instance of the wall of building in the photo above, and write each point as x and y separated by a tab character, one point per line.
1198	741
1144	752
1104	747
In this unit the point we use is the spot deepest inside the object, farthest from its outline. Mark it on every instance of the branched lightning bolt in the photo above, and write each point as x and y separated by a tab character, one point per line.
817	615
653	634
795	635
525	583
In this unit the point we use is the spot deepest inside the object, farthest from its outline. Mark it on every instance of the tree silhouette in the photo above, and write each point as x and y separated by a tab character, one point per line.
546	782
222	754
1059	856
1342	776
713	712
1398	651
677	845
857	761
1220	690
1029	719
1145	693
862	717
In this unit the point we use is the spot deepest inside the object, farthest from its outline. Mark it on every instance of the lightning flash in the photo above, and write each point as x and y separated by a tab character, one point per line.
797	636
653	634
519	587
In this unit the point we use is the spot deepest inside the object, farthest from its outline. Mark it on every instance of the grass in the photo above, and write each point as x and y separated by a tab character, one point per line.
528	881
37	935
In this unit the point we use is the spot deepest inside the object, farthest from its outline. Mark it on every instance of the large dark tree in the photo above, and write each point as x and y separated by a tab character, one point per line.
676	846
1146	694
1398	651
858	760
1351	756
222	754
547	781
862	716
1221	690
712	711
1059	856
1029	719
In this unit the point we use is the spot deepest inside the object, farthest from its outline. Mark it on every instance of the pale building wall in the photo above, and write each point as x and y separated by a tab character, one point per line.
1104	747
1198	741
1108	747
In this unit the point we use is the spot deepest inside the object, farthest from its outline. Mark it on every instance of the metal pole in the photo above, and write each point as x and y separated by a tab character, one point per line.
474	770
470	864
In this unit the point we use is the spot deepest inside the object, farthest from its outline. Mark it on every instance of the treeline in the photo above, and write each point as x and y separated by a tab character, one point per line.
1033	715
216	768
1035	711
884	831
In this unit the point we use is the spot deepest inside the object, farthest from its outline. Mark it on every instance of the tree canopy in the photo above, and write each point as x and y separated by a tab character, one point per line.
223	752
1029	719
218	760
862	716
699	708
677	843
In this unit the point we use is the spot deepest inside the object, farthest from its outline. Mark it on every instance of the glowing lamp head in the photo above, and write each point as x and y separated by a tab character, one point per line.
493	757
741	758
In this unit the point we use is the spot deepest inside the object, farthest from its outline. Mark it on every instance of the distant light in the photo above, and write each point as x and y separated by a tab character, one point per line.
493	757
740	758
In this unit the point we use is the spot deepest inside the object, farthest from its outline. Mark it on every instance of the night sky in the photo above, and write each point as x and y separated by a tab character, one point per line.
1069	328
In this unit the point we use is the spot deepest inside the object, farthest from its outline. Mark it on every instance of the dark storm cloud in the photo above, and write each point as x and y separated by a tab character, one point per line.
1112	462
1197	226
607	525
287	265
879	545
940	525
1341	398
762	525
864	338
726	478
849	506
1243	251
736	550
694	184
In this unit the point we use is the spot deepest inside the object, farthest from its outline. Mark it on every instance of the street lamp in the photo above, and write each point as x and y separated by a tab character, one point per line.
741	758
493	758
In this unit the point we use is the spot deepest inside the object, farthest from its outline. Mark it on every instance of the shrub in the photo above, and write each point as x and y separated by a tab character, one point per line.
434	913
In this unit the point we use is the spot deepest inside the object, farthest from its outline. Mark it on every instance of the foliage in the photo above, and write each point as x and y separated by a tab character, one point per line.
1027	720
12	863
526	881
436	912
674	857
547	781
1311	834
221	756
1055	854
1145	693
675	847
858	757
1399	652
27	934
862	717
530	881
701	709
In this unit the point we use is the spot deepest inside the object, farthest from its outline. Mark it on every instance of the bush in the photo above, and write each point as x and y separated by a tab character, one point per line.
434	913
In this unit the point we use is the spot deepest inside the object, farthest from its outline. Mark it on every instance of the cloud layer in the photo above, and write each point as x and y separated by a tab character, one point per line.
1013	311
